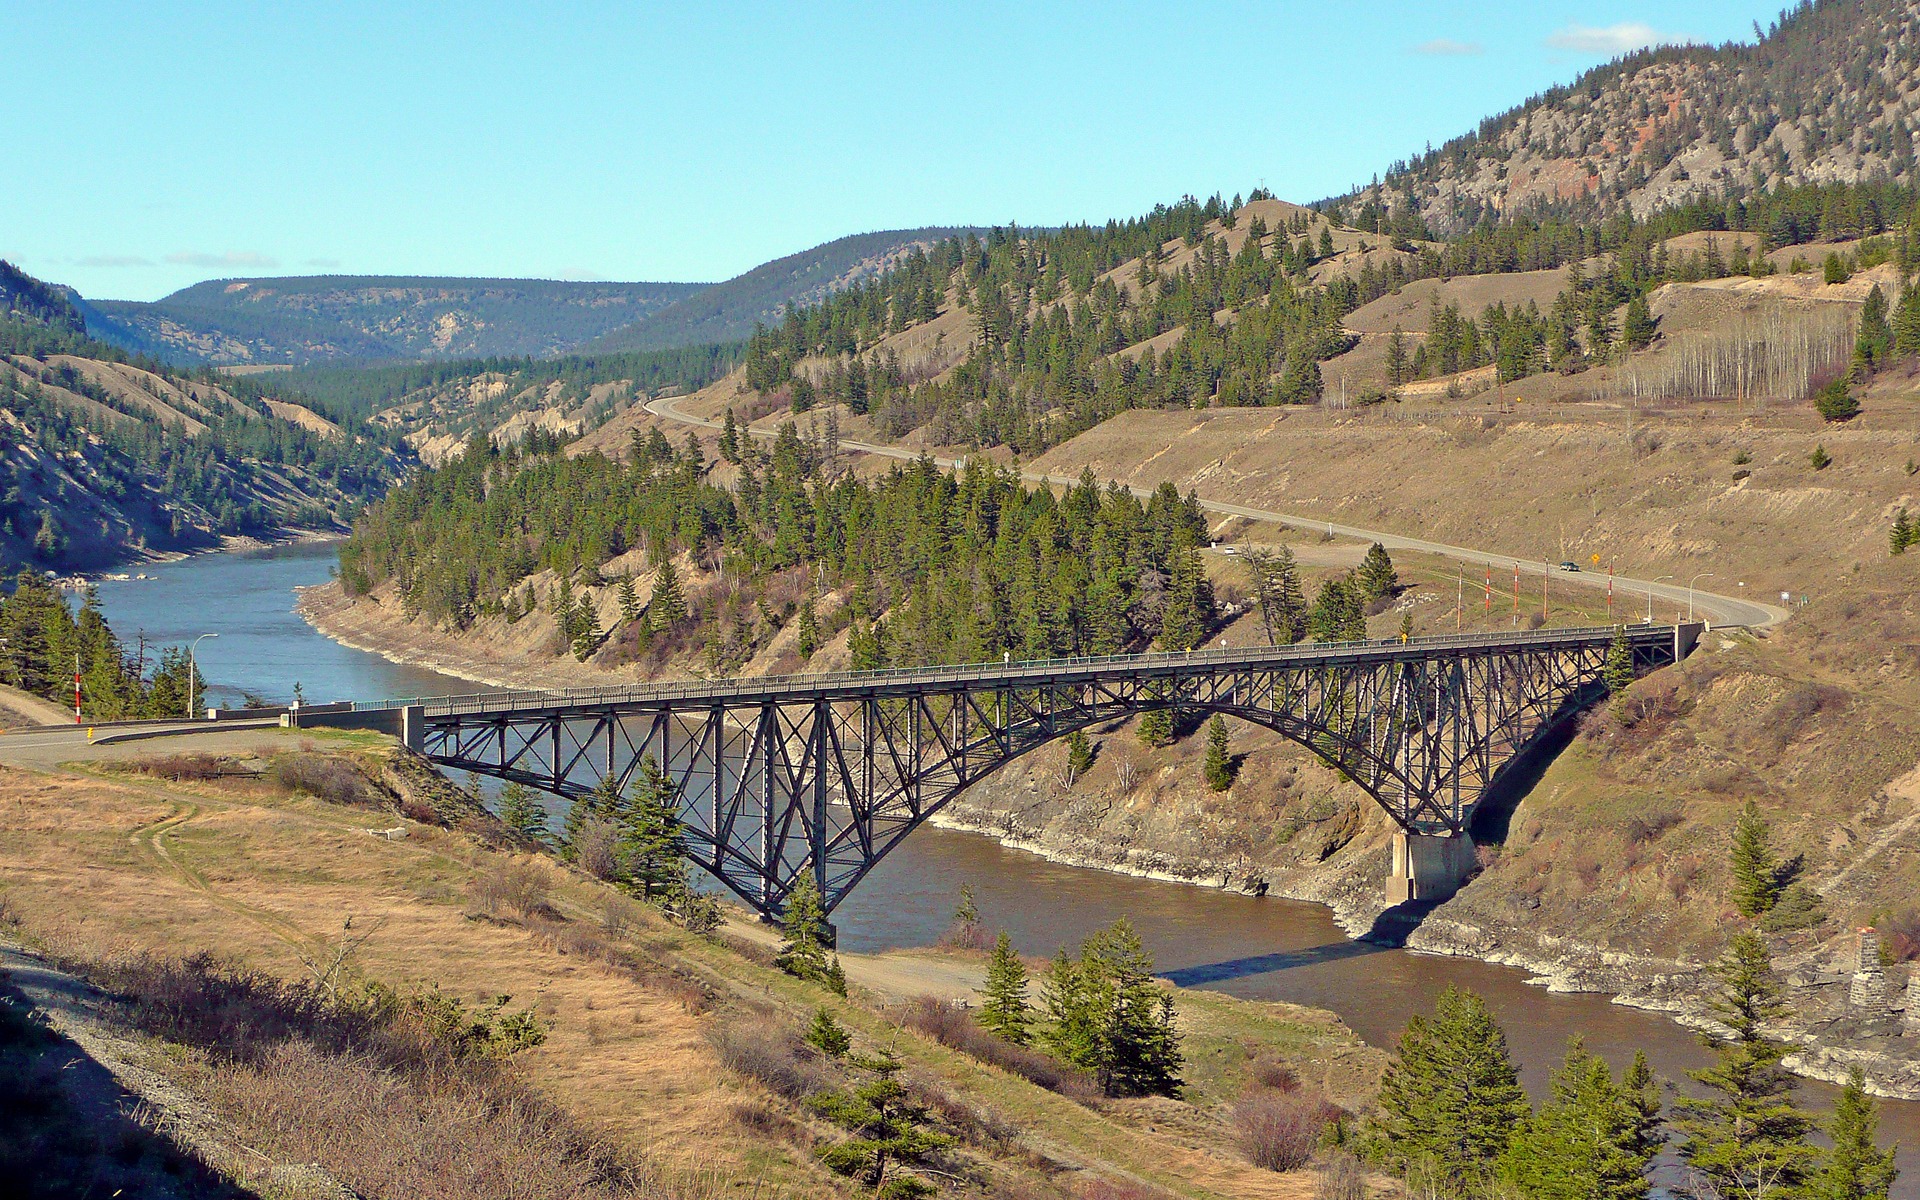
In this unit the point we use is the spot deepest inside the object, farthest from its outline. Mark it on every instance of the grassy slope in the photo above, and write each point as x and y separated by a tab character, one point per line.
100	864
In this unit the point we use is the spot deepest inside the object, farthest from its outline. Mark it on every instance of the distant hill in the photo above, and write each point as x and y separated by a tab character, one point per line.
727	312
107	458
324	318
1825	96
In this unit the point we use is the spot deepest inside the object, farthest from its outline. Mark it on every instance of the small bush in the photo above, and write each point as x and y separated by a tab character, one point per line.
1272	1073
1650	827
331	779
1278	1130
596	849
186	768
954	1027
965	935
1343	1178
521	887
773	1057
1900	934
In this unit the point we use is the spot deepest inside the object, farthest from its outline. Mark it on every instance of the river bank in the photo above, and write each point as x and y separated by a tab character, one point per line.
1335	856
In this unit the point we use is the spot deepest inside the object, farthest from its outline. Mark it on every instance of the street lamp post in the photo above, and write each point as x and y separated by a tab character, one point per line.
193	668
1690	583
1650	597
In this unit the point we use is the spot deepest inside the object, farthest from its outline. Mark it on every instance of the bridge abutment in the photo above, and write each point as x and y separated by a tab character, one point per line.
1427	867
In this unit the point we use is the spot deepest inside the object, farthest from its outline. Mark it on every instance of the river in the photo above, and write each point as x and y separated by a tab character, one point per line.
1261	948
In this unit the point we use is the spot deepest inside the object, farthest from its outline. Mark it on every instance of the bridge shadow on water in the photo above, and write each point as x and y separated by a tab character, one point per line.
1390	930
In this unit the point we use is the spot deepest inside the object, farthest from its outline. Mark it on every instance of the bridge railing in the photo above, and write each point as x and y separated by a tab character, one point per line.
1030	671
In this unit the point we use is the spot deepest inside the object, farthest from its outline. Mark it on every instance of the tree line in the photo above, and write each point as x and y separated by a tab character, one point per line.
42	640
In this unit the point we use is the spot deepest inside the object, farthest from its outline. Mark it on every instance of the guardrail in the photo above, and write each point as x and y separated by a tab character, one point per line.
1026	671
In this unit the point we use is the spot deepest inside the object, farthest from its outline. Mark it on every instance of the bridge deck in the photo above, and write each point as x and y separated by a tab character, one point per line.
1033	673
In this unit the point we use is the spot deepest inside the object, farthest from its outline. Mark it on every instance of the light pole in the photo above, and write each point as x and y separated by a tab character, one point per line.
193	668
1650	597
1690	583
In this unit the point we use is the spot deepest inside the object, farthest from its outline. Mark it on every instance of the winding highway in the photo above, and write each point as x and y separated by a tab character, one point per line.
1718	609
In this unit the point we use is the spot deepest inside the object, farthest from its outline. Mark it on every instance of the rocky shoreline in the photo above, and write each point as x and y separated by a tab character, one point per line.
1349	881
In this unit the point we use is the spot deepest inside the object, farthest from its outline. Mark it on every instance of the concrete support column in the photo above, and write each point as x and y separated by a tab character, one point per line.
413	727
1428	867
1912	1023
1867	994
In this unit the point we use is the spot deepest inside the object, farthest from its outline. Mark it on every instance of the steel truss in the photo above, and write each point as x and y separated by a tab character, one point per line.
824	775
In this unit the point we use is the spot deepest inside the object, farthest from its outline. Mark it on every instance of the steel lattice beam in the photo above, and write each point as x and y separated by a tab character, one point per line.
823	775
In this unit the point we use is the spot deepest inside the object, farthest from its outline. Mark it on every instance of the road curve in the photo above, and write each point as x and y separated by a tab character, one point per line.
1717	608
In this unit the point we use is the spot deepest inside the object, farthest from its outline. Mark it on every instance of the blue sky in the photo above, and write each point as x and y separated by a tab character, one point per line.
152	145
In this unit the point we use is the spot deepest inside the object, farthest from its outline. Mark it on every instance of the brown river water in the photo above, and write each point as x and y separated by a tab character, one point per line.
1261	948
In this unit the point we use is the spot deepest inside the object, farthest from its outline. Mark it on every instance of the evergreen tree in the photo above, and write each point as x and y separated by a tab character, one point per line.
826	1035
629	599
587	635
652	856
1873	345
1746	1138
1452	1098
521	811
1338	613
1835	402
730	439
1106	1014
887	1127
807	638
603	803
1756	873
668	606
1618	671
1586	1143
1637	329
804	952
1904	532
967	915
1189	610
1219	766
1079	755
1004	1011
1155	729
1378	579
1396	358
1856	1168
1819	460
1906	323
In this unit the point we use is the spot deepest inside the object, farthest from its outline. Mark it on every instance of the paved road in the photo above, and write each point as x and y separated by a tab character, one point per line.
1715	607
45	747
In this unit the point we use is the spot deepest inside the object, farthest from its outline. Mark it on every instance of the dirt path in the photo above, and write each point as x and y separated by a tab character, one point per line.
1722	610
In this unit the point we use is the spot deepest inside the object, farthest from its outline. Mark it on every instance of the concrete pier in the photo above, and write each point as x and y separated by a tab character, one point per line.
1912	1022
1868	994
1428	868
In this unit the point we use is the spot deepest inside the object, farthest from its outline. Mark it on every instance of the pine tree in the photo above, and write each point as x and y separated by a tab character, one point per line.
1906	322
1835	402
730	439
1618	671
1819	460
1452	1098
1219	767
1756	874
668	607
1856	1168
521	811
1004	1011
1637	330
1586	1143
1155	728
1079	755
1276	589
1873	345
968	913
1905	532
651	852
1396	358
1189	610
1746	1138
826	1035
1106	1014
807	638
629	599
887	1127
803	954
1378	579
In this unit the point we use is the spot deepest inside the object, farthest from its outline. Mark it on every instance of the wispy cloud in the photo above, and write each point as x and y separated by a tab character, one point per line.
229	258
112	261
1612	39
1449	48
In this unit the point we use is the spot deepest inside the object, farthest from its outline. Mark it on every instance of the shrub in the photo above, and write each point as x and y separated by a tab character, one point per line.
596	849
954	1027
1278	1130
521	887
1900	934
331	779
773	1057
1272	1073
186	768
1342	1178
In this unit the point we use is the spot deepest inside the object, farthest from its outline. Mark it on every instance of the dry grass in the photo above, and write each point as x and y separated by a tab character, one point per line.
954	1027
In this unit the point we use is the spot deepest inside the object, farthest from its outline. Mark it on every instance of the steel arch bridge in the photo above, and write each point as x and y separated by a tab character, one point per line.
822	775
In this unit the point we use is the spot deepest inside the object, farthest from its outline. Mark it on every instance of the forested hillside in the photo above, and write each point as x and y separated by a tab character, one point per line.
104	458
1826	94
333	317
727	312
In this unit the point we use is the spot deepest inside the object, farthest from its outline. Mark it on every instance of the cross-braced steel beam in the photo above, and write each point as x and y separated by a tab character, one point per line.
822	775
